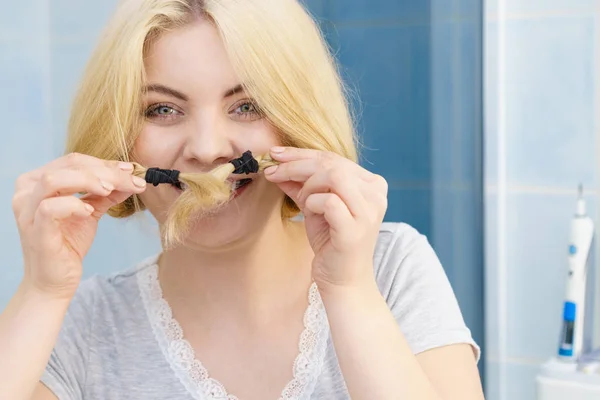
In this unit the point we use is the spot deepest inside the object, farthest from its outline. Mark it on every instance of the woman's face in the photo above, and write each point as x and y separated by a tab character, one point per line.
198	117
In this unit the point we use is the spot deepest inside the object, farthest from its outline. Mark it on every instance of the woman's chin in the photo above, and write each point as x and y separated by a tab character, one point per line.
223	228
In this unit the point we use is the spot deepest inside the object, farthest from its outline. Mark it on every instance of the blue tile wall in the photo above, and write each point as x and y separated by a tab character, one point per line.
368	10
12	266
469	113
43	48
470	9
69	58
406	205
73	19
387	66
25	95
23	21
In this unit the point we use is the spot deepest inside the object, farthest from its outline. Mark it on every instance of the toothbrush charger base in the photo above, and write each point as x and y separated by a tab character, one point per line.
558	380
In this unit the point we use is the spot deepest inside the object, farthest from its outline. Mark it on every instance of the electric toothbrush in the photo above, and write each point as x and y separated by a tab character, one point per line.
573	340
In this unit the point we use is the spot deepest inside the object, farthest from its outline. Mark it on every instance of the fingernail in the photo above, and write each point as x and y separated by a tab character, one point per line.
107	186
125	166
89	208
278	149
139	182
270	170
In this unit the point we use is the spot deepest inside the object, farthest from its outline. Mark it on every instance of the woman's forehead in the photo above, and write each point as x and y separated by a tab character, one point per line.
192	58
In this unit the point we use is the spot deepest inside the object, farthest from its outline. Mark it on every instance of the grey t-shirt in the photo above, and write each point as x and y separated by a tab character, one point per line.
113	346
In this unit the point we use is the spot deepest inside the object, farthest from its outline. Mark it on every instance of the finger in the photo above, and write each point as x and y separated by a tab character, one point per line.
103	203
75	161
324	159
295	171
100	181
283	153
51	211
338	182
375	194
54	210
19	200
333	209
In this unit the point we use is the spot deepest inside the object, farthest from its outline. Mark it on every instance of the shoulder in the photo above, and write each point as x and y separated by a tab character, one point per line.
405	263
417	289
397	236
97	329
400	251
116	292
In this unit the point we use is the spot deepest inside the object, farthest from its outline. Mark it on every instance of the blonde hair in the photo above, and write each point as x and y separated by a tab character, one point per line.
275	48
202	193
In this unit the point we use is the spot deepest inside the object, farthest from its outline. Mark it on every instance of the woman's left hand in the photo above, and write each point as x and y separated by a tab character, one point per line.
343	206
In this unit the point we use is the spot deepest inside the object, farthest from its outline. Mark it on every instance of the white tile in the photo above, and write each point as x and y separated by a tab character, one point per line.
492	100
549	6
550	102
493	280
520	381
492	381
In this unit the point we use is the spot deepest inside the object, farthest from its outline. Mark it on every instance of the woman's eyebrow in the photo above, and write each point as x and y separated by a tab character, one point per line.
177	94
166	90
234	90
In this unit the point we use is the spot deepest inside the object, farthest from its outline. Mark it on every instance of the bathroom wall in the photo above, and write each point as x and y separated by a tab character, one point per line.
541	141
415	66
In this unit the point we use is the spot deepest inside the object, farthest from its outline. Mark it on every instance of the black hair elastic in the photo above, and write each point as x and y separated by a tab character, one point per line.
156	176
246	164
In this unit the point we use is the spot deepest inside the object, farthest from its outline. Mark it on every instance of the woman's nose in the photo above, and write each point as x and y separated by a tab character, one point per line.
208	143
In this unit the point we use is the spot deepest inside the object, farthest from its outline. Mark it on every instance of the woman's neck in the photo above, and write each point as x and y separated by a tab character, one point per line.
249	283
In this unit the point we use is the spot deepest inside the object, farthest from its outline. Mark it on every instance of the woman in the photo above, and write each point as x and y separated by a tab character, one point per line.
251	303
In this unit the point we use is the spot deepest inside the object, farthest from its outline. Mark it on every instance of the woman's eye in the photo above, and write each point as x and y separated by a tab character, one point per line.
164	111
161	111
247	110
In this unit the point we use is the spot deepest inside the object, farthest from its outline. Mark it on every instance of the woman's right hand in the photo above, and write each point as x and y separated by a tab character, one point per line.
56	227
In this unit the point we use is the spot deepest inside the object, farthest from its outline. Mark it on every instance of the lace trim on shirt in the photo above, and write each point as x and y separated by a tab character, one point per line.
190	371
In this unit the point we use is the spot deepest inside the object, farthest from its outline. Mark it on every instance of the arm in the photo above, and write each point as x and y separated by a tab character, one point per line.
29	328
376	335
377	362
